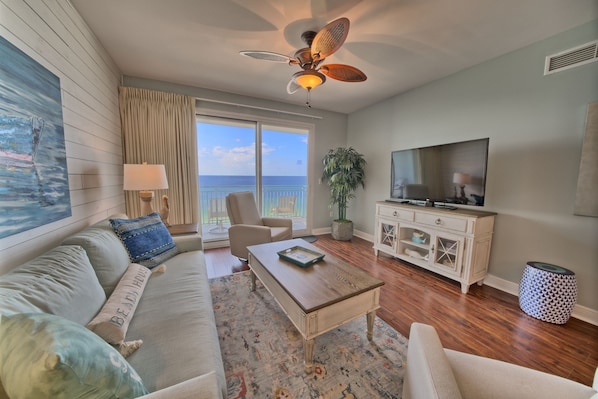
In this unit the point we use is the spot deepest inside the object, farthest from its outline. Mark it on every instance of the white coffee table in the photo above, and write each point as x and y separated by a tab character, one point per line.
317	298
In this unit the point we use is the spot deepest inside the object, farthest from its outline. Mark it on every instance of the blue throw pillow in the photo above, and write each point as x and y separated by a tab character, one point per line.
47	356
146	238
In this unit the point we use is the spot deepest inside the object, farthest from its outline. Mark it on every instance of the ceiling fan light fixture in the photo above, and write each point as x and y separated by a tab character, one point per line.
309	79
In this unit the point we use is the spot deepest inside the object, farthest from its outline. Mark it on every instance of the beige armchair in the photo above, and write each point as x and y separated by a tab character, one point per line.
249	228
437	373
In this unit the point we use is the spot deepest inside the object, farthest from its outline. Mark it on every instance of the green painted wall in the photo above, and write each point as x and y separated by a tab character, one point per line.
535	124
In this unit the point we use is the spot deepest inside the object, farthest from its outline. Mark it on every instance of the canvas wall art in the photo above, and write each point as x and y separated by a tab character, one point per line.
586	198
34	187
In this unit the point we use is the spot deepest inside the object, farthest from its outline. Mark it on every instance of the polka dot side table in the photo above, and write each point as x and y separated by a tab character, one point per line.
547	292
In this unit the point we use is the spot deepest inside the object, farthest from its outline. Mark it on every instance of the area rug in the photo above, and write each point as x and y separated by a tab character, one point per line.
263	352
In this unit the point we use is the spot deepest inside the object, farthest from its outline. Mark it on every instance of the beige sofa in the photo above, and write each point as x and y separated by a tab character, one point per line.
434	372
180	354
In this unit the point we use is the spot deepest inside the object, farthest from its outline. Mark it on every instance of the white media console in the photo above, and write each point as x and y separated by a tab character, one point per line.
454	243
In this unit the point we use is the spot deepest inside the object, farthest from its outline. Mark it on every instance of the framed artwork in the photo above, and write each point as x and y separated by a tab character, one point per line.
34	187
586	197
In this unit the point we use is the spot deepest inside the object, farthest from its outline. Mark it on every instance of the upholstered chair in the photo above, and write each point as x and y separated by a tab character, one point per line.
248	227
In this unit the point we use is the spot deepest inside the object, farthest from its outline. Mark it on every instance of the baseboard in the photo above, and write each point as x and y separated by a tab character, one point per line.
502	284
579	312
365	236
321	231
585	314
356	233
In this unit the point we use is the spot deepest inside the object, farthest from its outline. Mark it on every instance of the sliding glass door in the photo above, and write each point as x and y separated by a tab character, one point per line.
226	156
284	174
271	160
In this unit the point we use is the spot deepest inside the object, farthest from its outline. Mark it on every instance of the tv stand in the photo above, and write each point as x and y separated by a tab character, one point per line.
454	243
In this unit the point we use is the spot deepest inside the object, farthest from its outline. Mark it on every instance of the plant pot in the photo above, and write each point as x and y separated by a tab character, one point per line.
342	230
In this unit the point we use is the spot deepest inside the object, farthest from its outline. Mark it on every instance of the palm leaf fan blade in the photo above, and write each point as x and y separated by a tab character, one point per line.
344	73
268	56
329	39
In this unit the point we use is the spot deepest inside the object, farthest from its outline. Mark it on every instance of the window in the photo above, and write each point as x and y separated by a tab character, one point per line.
269	159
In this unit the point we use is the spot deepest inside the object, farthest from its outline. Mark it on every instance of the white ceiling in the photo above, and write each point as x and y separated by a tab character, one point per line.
399	44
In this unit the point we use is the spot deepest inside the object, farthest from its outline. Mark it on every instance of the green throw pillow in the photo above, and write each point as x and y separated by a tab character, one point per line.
146	238
47	356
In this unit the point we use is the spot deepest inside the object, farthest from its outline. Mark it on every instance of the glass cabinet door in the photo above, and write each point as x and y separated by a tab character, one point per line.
387	234
448	252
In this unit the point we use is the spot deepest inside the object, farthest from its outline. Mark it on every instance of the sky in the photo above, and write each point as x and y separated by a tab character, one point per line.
230	150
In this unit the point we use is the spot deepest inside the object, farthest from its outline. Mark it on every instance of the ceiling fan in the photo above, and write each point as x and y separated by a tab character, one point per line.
320	45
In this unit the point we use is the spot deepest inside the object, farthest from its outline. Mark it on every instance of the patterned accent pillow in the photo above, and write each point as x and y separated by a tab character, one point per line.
113	320
146	238
47	356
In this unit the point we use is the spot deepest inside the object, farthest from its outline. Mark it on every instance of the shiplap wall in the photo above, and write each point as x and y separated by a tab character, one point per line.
54	34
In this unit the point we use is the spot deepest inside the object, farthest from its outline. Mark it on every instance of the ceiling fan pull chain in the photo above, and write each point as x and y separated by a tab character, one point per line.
308	98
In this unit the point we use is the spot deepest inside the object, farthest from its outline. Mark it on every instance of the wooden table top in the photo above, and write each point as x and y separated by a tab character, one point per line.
323	283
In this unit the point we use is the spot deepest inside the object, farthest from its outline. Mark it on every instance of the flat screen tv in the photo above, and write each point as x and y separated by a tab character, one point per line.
452	173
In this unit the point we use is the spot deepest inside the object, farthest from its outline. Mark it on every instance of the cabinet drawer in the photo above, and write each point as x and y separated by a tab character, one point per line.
395	213
441	221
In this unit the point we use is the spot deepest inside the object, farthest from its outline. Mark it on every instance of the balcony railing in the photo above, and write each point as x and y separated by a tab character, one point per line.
213	205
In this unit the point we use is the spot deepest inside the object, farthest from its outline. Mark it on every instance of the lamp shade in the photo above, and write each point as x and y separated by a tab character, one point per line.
144	177
461	178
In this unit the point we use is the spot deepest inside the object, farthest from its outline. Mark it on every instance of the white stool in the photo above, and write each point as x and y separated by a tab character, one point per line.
547	292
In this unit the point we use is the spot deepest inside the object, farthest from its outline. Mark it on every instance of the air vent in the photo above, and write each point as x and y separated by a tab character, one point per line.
571	58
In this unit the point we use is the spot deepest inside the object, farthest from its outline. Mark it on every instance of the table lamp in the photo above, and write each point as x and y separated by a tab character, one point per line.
462	179
144	178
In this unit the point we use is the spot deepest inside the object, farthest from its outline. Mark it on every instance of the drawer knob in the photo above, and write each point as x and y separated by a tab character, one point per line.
438	221
395	213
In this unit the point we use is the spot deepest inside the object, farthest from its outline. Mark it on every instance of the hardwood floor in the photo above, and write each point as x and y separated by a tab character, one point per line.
486	321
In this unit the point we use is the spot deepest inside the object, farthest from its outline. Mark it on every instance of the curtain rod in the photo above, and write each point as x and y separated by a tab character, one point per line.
259	108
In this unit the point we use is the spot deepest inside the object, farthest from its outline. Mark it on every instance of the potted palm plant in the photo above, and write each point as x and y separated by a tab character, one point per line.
344	171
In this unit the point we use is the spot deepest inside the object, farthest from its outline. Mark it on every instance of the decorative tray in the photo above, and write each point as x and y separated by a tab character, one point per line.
301	256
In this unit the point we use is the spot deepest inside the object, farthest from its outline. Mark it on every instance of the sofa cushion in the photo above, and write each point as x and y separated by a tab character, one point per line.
46	356
175	319
106	253
146	239
200	387
60	282
113	320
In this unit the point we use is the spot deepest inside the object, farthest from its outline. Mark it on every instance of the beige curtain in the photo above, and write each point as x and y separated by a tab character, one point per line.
160	128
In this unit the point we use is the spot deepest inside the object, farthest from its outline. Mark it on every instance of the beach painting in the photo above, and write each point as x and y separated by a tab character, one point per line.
34	186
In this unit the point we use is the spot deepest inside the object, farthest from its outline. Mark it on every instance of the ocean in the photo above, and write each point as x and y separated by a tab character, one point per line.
221	181
214	188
